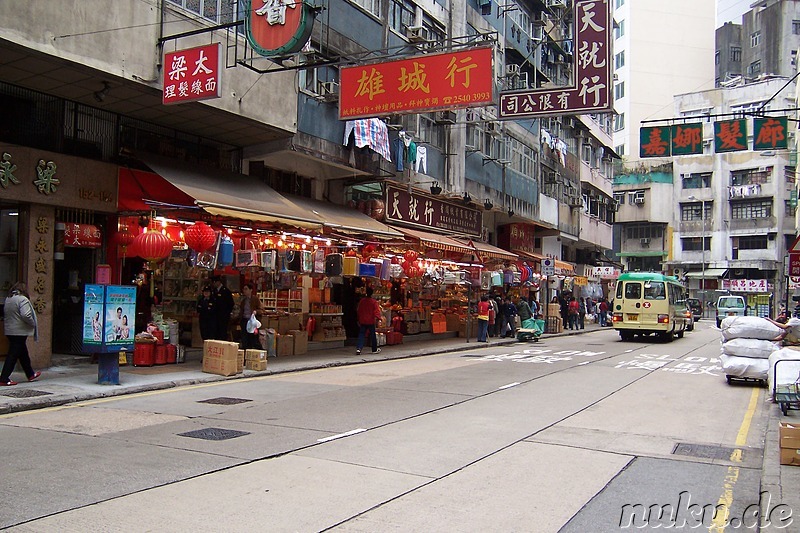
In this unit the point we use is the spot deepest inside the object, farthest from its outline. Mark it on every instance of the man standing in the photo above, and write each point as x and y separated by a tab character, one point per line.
509	311
369	313
603	310
523	310
224	302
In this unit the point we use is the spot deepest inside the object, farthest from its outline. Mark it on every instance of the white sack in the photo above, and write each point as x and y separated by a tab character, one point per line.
748	327
744	367
787	372
757	348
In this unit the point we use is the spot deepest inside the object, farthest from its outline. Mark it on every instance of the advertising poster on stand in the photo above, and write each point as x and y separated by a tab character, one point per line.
120	315
93	314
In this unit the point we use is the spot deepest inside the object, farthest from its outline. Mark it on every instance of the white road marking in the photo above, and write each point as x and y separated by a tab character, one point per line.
584	363
628	351
509	385
340	435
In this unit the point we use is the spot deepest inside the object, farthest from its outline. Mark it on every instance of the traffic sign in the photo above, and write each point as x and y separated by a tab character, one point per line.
794	264
549	267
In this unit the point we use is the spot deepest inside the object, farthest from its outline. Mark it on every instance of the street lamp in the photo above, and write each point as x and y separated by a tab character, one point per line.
702	257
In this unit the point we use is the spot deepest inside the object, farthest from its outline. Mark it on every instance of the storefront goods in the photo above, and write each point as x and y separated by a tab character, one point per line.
220	357
152	246
200	237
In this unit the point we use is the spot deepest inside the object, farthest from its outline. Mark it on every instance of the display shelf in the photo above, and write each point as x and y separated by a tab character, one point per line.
326	314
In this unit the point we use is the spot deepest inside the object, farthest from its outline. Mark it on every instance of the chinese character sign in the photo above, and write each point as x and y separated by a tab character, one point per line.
770	133
730	135
192	74
687	139
747	285
654	142
423	211
82	236
521	237
278	27
435	81
591	91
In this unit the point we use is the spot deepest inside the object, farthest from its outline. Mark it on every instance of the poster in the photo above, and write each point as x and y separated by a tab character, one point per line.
109	313
93	312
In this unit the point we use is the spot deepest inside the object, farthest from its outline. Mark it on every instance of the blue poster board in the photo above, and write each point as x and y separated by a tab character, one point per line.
93	318
109	313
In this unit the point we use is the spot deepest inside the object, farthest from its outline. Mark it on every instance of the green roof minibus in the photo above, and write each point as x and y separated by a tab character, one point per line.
649	303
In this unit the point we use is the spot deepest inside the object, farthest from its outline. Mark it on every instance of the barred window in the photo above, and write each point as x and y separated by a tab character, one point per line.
694	211
751	242
372	6
751	176
790	209
751	209
644	231
789	173
695	244
696	180
218	11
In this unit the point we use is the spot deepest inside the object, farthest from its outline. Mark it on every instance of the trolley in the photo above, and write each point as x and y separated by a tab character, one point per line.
786	395
531	329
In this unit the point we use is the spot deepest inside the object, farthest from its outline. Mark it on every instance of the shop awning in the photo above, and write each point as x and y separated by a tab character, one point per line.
232	195
435	240
344	219
649	253
564	266
491	252
532	256
710	273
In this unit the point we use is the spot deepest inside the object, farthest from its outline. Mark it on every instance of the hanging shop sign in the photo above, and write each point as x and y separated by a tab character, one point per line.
278	27
770	133
654	141
745	285
435	81
413	209
605	272
82	235
687	139
517	237
730	135
192	74
591	65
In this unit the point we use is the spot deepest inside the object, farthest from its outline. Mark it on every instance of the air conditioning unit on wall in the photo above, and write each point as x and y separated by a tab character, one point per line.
644	241
417	34
328	90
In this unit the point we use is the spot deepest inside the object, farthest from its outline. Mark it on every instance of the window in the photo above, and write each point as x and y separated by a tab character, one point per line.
752	209
696	180
633	291
751	176
219	11
619	90
401	15
619	30
654	290
586	154
796	27
372	6
694	211
752	242
9	247
754	69
736	54
619	60
789	173
619	4
695	244
716	57
644	231
620	149
791	210
619	198
755	39
619	122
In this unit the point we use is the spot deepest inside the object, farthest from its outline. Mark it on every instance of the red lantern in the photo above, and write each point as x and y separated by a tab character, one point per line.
152	246
410	255
368	251
351	253
124	237
200	237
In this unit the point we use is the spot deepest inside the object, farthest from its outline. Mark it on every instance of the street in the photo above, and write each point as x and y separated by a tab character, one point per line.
573	434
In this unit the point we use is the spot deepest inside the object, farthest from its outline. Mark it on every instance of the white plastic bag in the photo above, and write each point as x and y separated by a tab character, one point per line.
784	373
748	327
253	324
757	348
744	367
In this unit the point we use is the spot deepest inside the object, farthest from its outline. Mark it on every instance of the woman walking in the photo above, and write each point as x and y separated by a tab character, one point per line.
20	323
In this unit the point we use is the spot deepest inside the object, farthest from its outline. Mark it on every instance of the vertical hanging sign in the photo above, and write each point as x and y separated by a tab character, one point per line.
192	74
770	133
730	135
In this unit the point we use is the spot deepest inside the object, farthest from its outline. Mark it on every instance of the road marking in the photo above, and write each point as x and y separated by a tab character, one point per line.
340	435
509	385
628	351
726	498
584	363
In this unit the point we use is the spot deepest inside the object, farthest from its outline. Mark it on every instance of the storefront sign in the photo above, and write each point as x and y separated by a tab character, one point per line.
592	68
82	236
654	142
605	272
434	81
278	27
746	285
730	135
520	237
770	133
109	312
7	169
580	281
413	209
192	74
687	139
46	181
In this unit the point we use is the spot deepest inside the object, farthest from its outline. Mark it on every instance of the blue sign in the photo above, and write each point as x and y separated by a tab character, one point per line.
109	313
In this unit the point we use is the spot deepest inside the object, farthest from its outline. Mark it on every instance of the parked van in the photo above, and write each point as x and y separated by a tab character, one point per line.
730	306
649	303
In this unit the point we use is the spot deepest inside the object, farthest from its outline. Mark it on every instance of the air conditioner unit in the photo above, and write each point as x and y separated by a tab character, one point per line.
471	115
492	128
537	33
512	69
328	90
638	200
575	201
445	117
417	34
551	177
645	241
520	81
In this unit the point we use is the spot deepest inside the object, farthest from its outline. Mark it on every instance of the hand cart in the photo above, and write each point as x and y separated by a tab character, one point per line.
787	395
531	330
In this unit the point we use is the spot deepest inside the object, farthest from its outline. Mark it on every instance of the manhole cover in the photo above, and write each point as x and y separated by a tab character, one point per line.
704	451
225	401
24	393
214	434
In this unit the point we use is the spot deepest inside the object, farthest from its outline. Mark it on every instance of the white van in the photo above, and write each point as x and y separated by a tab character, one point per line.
730	306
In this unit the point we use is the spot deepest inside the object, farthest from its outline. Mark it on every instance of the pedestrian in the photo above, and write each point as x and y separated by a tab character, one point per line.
500	320
369	314
249	305
207	314
492	317
523	310
224	300
603	312
20	323
581	312
483	319
563	302
573	311
591	308
509	315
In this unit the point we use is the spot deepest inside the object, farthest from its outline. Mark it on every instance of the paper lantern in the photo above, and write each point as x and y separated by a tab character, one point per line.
152	246
368	251
410	255
124	237
200	237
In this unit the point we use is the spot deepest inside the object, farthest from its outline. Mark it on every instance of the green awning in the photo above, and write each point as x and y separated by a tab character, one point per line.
653	253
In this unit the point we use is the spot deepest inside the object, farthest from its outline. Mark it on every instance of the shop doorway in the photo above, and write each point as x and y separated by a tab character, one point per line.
69	277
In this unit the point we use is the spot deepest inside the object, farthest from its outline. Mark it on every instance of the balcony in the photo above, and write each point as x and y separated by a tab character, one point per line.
695	226
595	231
754	223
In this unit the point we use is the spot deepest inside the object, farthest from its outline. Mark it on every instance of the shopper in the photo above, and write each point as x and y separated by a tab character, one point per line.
224	301
500	319
249	304
581	313
20	323
492	317
603	312
563	302
573	311
509	311
207	314
483	319
523	310
369	314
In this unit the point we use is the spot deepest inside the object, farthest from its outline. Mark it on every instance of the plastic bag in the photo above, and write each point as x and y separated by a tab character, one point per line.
253	324
748	327
756	348
744	367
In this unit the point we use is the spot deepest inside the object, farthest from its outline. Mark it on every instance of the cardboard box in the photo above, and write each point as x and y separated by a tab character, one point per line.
295	321
285	345
790	456
255	355
256	365
553	310
790	431
453	322
240	362
220	357
300	341
283	325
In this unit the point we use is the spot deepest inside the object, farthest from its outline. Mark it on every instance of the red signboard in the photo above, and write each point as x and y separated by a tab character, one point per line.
518	237
413	209
192	74
82	236
435	81
794	264
592	68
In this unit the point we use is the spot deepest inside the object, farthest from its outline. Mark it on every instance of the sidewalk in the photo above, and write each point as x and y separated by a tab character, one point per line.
74	379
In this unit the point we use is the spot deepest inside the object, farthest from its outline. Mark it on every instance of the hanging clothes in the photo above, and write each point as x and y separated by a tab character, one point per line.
411	152
399	153
372	133
422	159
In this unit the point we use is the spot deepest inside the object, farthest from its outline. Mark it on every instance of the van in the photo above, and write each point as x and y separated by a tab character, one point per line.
649	303
729	306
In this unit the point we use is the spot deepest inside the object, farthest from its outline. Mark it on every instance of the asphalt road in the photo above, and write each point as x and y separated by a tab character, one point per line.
572	434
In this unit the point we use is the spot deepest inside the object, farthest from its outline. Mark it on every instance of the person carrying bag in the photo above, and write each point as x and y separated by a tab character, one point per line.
20	323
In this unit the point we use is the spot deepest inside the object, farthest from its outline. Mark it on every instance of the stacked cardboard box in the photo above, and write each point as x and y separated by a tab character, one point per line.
438	323
790	444
300	341
285	345
255	359
220	357
453	322
553	310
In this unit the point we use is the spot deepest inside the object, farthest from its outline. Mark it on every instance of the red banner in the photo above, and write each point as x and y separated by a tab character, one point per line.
435	81
419	210
192	74
82	236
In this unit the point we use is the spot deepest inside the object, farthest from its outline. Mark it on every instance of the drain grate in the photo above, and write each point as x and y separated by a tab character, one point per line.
705	451
214	434
24	393
223	400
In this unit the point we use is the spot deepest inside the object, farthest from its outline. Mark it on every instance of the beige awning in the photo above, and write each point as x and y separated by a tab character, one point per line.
492	252
233	195
344	219
436	240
